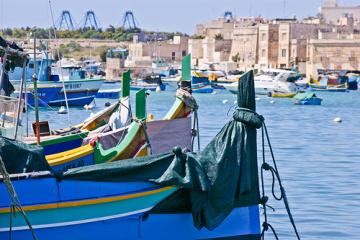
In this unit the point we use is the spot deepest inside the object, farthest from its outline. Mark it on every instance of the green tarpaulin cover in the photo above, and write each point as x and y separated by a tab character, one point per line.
19	157
223	176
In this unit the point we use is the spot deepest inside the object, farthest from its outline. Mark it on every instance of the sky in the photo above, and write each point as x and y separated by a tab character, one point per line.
158	15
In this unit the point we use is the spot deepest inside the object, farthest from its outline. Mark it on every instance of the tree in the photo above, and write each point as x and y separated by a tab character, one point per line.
219	37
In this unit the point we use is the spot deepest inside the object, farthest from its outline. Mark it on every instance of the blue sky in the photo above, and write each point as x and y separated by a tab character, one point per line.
165	15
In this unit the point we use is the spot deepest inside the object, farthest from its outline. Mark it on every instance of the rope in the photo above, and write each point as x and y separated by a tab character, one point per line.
275	175
15	202
195	131
143	126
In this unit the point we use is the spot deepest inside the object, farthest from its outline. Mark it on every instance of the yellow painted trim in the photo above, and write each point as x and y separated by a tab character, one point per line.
88	202
67	156
142	152
176	113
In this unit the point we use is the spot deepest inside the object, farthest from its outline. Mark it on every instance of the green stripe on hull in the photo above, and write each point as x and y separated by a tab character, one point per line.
63	139
86	212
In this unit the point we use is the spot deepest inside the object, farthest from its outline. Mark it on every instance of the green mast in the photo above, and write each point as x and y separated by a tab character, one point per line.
125	84
186	68
140	107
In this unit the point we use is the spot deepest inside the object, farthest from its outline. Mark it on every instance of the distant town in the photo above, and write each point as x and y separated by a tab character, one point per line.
329	40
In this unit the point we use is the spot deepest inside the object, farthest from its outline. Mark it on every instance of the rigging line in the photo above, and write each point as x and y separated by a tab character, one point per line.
283	193
15	202
61	70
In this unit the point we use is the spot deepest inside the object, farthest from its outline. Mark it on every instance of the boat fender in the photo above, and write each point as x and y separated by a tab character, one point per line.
158	89
151	117
225	101
148	92
107	104
94	141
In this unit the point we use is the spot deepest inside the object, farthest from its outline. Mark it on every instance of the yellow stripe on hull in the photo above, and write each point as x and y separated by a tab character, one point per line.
88	202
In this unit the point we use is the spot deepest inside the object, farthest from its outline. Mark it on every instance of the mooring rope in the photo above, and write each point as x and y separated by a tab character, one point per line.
15	202
275	175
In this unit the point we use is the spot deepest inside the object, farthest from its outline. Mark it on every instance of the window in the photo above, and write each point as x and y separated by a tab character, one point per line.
183	53
283	36
263	53
263	37
173	55
283	52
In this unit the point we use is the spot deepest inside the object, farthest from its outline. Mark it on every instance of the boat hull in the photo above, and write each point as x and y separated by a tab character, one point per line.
108	210
78	92
311	101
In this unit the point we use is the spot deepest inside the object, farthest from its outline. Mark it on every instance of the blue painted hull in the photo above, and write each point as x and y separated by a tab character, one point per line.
74	99
108	94
62	147
150	87
113	210
196	88
44	96
311	101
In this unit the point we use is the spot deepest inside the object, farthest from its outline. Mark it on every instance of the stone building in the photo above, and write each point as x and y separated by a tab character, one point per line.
244	46
336	54
268	45
331	12
144	53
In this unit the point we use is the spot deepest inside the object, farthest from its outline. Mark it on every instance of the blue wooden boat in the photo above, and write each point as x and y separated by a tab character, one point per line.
307	98
174	195
150	82
80	90
45	95
201	85
108	93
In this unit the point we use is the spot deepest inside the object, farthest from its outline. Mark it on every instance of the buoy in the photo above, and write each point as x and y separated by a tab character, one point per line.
225	101
150	117
272	102
158	89
89	107
148	92
257	99
62	110
107	104
337	120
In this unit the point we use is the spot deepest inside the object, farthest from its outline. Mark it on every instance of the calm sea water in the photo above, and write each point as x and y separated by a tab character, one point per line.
318	160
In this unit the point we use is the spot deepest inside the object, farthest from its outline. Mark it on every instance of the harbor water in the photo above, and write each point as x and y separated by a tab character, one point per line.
318	159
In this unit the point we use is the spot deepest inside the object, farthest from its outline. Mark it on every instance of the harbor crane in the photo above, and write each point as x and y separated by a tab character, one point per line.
66	21
129	21
90	20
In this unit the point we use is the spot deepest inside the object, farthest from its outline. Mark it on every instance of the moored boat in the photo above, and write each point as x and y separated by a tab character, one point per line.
307	98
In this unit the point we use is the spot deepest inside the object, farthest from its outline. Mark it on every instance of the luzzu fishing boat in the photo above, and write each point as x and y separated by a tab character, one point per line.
139	138
200	83
214	194
124	201
69	138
